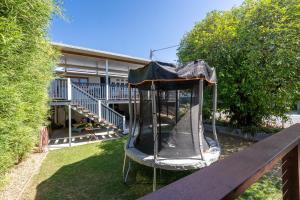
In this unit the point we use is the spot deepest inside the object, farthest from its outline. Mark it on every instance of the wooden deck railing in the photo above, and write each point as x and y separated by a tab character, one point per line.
230	177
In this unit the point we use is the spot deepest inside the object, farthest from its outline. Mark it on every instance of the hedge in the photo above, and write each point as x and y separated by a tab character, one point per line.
26	61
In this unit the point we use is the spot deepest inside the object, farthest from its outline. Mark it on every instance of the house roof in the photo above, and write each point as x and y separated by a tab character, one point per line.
70	49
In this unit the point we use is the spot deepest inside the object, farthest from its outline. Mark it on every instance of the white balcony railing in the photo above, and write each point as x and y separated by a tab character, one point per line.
59	89
98	90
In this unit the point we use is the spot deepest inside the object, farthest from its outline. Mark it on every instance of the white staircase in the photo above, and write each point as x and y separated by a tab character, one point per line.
86	104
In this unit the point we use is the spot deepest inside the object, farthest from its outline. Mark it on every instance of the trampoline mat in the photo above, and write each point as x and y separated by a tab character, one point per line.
179	145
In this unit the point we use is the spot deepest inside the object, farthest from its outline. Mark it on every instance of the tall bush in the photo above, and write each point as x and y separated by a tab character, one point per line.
256	50
26	63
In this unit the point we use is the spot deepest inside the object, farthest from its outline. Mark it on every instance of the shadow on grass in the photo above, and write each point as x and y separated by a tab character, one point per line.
100	177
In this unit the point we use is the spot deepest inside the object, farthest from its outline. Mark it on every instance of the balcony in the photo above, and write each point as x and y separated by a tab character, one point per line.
60	90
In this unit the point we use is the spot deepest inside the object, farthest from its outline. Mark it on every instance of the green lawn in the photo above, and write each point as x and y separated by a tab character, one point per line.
94	171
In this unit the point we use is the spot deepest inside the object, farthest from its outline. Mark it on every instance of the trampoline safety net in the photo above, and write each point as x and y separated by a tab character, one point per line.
179	133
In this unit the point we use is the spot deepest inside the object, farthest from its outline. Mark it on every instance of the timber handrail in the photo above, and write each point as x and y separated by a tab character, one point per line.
230	177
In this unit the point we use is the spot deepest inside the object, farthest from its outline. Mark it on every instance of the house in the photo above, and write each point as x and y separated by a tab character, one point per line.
91	84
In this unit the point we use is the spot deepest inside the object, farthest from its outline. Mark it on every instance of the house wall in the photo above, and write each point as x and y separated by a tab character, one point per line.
94	68
61	115
83	65
94	79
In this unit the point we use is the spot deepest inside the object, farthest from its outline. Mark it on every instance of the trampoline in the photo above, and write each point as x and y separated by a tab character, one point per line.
166	125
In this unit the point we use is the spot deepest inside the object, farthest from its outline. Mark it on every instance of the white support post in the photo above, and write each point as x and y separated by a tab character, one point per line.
124	124
69	89
70	126
106	80
99	110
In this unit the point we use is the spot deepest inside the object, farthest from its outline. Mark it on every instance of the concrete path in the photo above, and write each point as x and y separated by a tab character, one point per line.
20	176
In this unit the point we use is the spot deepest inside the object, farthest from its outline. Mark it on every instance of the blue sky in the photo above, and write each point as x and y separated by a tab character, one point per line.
131	27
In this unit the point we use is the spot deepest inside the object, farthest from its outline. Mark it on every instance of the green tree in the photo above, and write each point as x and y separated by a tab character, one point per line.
255	49
26	63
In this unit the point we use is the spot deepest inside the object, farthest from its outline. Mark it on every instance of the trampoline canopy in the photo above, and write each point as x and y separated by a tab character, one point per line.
166	72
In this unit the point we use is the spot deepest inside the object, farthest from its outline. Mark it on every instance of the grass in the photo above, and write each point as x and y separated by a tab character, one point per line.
94	171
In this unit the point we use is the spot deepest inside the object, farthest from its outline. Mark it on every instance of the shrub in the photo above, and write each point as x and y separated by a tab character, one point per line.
26	62
255	48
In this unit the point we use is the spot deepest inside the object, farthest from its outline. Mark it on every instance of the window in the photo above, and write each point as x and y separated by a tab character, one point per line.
79	80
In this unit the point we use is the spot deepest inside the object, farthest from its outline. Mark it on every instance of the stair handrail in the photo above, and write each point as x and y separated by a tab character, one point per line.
121	118
91	96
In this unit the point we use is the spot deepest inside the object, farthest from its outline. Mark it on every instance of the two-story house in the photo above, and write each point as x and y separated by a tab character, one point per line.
90	84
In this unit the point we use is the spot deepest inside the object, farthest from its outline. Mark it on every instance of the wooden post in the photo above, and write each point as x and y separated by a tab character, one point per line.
55	115
290	178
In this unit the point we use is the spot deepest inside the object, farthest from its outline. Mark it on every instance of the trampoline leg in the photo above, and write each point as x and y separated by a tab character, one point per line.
124	165
154	179
129	167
